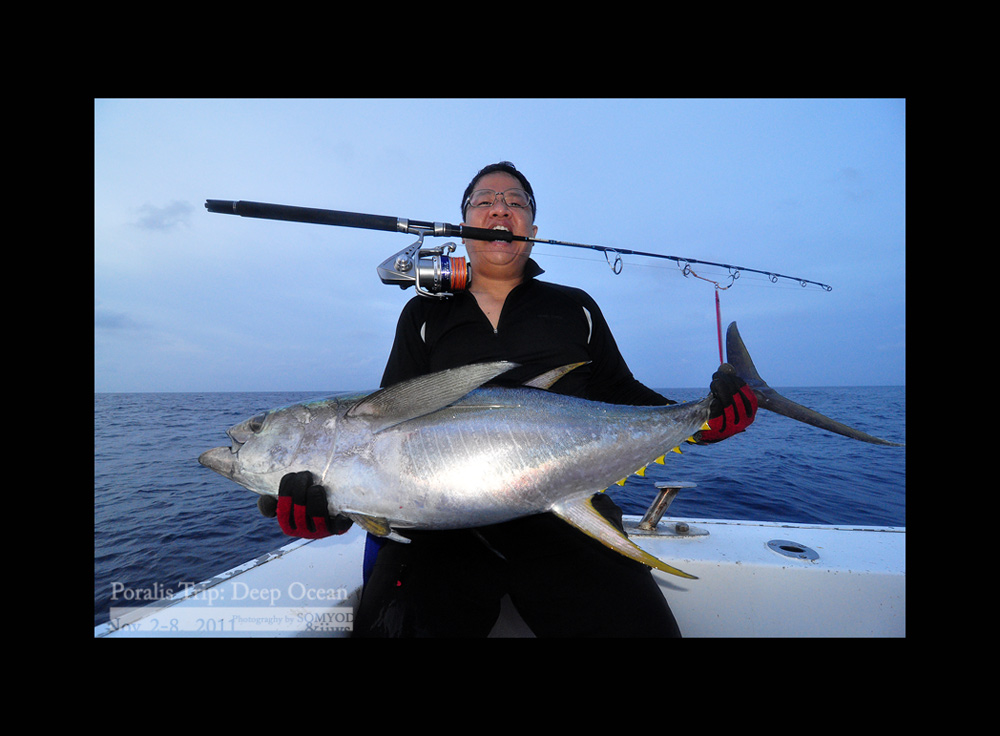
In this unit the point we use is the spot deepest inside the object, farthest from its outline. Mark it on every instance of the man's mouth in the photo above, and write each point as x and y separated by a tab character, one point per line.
500	227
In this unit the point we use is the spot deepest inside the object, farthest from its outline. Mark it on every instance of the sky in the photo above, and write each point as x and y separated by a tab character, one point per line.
187	300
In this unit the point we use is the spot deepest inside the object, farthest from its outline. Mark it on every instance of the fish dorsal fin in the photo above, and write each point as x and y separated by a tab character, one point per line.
580	513
548	378
424	394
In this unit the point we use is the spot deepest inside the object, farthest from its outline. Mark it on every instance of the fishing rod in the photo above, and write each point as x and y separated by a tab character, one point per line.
432	271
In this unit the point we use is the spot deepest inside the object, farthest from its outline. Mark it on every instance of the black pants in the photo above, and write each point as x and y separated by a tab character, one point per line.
563	583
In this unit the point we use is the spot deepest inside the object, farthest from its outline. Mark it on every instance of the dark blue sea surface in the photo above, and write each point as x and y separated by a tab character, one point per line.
161	520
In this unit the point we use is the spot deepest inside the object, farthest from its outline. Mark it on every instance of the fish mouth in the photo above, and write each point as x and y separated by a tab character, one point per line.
220	459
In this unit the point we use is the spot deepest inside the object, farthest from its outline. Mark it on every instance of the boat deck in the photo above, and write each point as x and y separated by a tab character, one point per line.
755	579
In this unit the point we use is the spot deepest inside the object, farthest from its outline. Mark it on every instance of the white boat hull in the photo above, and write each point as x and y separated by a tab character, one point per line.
755	579
746	587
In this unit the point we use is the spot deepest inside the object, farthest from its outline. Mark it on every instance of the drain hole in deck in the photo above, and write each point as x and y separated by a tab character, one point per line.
791	549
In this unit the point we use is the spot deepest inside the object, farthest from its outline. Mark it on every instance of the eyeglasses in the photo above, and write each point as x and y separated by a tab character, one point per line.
516	199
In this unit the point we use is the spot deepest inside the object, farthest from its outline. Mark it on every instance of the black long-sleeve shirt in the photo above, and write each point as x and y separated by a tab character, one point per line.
542	326
551	571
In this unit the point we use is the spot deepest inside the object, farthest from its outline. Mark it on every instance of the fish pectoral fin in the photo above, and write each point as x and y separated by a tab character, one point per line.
376	525
423	395
580	513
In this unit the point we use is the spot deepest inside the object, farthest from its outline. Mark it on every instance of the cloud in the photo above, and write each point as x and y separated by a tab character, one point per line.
852	183
164	219
107	319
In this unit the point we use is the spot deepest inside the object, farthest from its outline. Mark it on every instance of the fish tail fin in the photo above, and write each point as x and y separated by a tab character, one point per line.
767	398
580	513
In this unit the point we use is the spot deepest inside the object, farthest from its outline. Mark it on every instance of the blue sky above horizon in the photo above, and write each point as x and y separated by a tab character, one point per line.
186	300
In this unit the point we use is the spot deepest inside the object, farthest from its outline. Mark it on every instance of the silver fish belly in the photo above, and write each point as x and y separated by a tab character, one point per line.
498	454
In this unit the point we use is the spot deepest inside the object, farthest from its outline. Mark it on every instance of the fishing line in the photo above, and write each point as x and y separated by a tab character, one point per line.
616	265
773	276
435	273
751	280
430	270
688	271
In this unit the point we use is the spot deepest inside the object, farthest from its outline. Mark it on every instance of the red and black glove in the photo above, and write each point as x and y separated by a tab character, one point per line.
301	508
733	408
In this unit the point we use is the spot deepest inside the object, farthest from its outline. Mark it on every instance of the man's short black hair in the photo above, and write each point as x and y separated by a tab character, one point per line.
508	168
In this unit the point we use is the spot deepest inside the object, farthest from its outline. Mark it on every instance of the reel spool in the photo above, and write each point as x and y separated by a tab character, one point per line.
431	271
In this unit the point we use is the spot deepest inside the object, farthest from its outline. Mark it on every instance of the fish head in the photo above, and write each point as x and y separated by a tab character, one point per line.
265	447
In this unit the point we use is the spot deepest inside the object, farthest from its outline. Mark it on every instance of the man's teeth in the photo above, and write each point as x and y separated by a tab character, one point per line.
500	227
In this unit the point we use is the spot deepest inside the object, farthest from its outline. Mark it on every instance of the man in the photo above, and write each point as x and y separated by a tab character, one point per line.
450	583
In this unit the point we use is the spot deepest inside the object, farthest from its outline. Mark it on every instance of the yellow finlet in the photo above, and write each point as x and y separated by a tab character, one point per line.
641	472
677	450
661	460
621	482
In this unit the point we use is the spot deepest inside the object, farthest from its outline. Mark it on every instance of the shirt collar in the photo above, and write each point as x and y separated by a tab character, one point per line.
532	269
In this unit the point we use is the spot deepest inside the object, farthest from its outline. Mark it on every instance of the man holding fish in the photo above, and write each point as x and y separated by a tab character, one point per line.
564	583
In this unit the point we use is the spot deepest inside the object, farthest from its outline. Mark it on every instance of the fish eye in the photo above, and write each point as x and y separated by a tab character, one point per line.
254	424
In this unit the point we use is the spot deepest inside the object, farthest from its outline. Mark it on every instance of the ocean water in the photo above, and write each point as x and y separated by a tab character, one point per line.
161	520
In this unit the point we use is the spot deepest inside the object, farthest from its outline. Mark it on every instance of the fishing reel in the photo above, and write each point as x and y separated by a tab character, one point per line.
431	271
